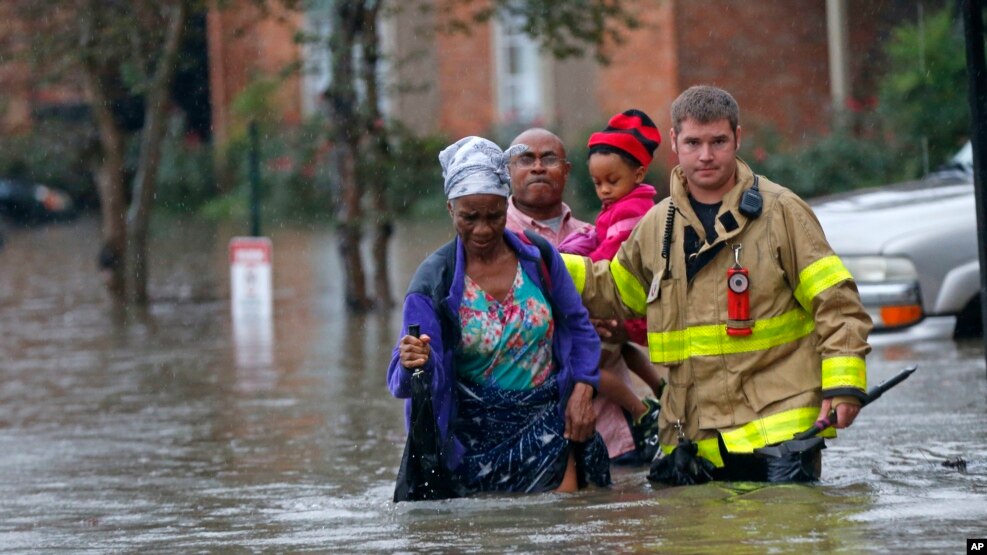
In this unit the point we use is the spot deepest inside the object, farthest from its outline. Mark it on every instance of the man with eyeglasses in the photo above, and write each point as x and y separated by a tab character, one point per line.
538	178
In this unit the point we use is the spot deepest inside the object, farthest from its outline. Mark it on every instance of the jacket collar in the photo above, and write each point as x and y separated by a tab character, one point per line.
525	251
729	221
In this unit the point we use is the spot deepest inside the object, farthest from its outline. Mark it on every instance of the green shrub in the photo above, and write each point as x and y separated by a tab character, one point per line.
924	93
833	163
294	174
297	172
185	177
234	206
413	174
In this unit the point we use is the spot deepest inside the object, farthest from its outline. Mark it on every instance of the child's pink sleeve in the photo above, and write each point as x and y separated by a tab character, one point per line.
617	233
581	242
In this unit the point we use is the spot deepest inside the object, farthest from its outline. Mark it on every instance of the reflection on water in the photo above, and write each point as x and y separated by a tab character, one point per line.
127	430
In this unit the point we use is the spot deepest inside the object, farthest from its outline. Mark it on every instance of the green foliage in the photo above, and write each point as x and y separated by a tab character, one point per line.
295	180
255	103
412	173
924	93
298	185
297	173
564	29
234	206
923	96
834	163
185	178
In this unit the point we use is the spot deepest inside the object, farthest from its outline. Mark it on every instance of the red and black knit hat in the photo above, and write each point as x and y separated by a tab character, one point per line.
631	132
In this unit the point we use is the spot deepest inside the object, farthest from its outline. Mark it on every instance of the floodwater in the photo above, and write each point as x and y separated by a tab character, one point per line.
156	431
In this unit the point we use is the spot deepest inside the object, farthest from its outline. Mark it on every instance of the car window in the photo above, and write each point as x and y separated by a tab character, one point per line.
960	166
964	158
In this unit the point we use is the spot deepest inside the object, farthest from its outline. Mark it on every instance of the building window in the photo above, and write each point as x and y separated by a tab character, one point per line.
520	81
317	59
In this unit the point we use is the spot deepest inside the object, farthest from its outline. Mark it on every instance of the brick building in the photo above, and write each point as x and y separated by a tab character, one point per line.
773	55
246	45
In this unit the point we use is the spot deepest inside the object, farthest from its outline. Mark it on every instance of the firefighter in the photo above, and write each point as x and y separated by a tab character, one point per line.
758	321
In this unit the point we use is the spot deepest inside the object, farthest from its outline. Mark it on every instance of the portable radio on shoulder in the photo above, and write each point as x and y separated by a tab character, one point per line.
738	297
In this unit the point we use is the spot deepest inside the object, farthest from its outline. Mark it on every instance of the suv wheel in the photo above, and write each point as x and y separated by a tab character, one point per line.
969	322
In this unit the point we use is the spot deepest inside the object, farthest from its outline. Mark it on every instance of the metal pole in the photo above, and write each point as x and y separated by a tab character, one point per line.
973	24
837	39
254	180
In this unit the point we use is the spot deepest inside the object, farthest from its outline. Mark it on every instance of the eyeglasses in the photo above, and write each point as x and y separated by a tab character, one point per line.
548	161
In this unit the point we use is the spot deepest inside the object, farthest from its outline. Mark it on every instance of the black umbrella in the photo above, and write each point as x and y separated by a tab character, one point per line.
806	440
422	476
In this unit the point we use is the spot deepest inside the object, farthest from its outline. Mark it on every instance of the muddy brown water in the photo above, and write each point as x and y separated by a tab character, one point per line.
155	431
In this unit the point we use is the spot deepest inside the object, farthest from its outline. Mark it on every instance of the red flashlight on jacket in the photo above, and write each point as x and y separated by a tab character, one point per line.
738	298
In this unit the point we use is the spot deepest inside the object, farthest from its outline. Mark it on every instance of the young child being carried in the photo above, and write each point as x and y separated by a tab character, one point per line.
619	157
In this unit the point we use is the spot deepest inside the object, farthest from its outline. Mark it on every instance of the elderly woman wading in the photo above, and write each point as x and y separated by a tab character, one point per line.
505	341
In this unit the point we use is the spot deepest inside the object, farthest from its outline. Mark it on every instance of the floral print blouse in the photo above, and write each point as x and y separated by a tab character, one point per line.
505	344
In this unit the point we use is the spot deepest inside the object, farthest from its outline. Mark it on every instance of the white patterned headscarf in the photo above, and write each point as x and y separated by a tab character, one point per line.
476	166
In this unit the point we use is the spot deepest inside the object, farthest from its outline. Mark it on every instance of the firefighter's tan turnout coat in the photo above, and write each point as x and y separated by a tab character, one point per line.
809	333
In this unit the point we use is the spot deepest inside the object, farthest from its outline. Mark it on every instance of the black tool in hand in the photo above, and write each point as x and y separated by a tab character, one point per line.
805	440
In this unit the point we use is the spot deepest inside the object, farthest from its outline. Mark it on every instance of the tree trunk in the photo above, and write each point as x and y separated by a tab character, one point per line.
383	230
379	154
155	120
346	130
350	232
110	182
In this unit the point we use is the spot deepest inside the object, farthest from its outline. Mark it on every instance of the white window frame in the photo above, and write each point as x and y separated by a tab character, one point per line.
317	63
521	92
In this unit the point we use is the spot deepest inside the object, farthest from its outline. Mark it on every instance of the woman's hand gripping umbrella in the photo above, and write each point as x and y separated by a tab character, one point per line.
422	475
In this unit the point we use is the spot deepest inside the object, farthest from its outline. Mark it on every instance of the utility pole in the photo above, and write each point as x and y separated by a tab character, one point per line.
973	24
837	38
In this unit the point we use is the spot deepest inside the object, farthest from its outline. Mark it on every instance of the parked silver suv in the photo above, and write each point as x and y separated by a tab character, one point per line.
912	247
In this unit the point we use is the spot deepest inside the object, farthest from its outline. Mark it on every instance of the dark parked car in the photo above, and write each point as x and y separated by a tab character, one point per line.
912	247
27	203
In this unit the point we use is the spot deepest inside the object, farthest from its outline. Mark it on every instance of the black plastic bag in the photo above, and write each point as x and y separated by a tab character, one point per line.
682	467
422	475
799	465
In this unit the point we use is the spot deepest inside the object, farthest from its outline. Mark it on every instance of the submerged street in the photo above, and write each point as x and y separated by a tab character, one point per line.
167	431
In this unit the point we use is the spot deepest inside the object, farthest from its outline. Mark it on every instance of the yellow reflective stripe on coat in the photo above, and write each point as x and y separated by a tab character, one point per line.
844	372
671	346
709	449
818	277
772	429
576	266
631	292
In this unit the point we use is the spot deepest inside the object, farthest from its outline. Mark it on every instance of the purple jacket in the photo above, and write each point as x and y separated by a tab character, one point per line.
575	345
